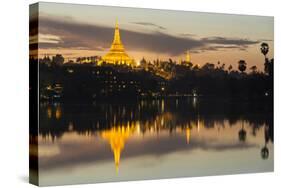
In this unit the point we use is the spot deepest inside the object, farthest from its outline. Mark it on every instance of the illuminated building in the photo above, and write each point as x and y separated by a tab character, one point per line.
117	54
188	57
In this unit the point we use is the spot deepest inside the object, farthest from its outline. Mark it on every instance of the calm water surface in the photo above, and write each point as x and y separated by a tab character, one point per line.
152	139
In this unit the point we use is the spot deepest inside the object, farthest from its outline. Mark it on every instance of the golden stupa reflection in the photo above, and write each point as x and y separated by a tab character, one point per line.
117	137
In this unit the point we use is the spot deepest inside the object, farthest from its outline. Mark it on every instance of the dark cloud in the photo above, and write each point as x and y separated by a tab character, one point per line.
96	37
266	40
149	24
187	35
229	41
222	47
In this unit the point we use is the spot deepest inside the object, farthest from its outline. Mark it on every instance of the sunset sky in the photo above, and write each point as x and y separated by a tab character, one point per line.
82	30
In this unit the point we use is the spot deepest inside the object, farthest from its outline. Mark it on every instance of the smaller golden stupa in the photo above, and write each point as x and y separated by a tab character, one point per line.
117	54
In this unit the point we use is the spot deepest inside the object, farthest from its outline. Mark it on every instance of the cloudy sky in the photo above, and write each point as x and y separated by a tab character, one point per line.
81	30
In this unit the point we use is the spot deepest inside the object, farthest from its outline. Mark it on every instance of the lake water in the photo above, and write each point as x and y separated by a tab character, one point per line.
152	139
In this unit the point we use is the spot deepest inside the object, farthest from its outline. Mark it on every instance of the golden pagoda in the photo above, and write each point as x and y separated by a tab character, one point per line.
188	57
117	54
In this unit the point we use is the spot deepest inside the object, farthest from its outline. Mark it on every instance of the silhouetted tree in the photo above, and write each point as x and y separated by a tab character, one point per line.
222	67
208	66
242	65
264	49
230	68
254	69
196	67
219	63
268	66
242	133
264	152
58	60
189	65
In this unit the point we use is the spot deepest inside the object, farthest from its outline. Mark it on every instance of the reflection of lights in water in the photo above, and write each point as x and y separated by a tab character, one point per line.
162	121
46	150
117	137
177	103
162	105
123	111
58	112
142	104
264	152
70	126
198	125
49	112
187	135
98	124
194	102
138	127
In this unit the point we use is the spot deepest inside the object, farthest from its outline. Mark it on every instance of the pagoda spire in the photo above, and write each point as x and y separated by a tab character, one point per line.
116	24
188	57
117	40
117	54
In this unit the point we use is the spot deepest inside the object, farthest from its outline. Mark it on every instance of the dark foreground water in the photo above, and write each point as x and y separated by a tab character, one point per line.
151	139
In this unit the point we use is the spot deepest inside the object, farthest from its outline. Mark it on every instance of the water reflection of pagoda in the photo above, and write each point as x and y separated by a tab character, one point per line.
117	137
117	54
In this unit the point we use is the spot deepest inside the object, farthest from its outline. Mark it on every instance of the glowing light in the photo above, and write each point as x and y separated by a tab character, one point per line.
187	135
138	63
188	57
58	112
49	112
198	126
162	105
117	138
70	70
70	126
49	87
117	54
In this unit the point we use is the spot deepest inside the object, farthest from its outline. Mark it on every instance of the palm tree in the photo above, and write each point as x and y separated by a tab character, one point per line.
264	49
268	66
242	65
